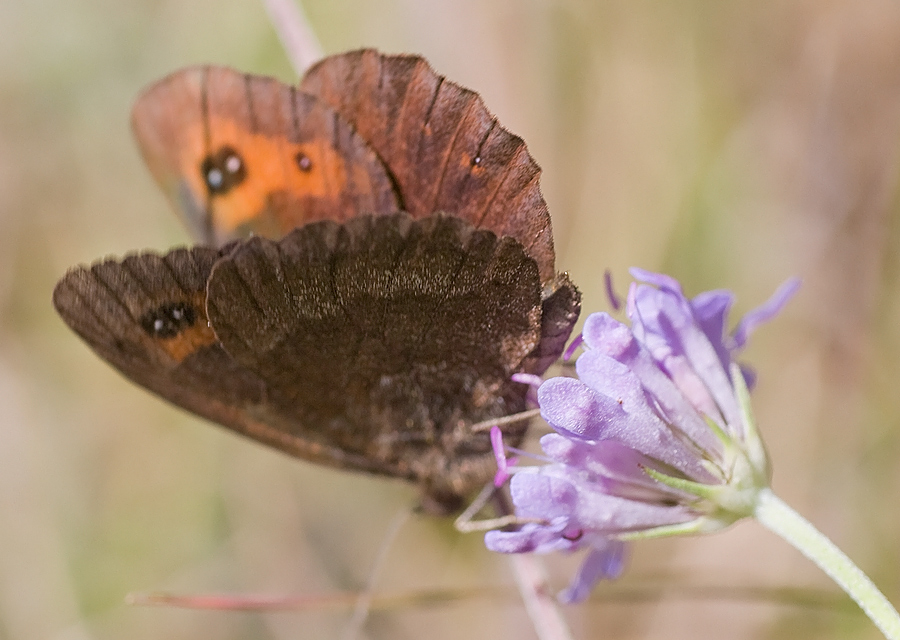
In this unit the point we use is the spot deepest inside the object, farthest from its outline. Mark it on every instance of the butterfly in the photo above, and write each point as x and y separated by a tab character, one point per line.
376	262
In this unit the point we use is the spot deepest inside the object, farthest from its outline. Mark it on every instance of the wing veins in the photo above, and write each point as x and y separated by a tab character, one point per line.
449	155
506	175
89	303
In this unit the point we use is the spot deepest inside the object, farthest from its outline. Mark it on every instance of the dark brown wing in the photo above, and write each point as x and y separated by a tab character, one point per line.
238	153
444	149
387	337
146	315
372	345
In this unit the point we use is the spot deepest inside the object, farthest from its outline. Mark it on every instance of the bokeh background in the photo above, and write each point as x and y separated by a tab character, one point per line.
732	144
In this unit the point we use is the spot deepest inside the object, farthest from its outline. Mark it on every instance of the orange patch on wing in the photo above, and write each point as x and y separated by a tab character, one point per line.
271	166
189	341
193	338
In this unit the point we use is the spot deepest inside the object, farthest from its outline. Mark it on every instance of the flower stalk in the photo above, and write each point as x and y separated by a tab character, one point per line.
779	518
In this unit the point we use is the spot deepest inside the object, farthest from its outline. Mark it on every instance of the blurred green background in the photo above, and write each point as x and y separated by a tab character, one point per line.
732	144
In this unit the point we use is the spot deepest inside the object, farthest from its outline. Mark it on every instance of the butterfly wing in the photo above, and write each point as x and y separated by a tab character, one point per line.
371	345
146	316
237	153
366	133
444	149
386	336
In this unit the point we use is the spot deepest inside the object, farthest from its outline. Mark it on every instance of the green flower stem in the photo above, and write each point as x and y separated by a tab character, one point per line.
778	517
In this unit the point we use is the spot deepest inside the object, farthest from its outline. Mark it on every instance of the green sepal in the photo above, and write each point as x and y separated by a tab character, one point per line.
754	446
699	489
684	529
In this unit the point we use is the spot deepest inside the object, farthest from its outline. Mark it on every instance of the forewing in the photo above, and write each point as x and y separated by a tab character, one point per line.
238	153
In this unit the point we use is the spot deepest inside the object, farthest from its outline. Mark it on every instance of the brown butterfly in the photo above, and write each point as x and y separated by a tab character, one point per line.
405	273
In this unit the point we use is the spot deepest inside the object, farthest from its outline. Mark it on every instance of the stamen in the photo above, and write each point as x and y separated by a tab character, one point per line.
527	378
615	300
570	351
502	474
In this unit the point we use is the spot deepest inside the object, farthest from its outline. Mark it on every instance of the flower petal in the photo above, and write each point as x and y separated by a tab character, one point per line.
663	320
638	424
765	312
557	491
611	337
546	497
571	407
541	495
602	331
532	538
711	310
659	280
602	513
605	561
615	468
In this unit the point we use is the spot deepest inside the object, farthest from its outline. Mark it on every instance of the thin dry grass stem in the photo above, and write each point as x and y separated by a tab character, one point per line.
542	607
297	37
516	417
364	600
651	590
318	602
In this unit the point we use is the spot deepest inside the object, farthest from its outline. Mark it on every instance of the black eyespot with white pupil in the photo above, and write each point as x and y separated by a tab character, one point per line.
304	162
169	320
223	170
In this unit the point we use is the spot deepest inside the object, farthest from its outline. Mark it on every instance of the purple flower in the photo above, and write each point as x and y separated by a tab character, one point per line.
654	438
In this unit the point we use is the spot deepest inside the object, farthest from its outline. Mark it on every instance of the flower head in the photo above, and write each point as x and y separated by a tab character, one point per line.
655	437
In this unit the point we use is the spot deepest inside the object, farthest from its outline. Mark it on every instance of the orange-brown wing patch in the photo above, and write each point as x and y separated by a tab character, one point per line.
240	154
179	328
